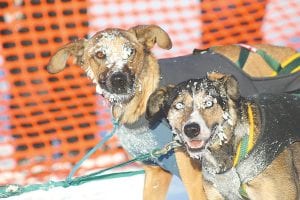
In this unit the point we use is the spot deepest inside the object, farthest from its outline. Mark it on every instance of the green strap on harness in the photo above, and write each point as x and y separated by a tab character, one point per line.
290	66
244	54
271	61
243	152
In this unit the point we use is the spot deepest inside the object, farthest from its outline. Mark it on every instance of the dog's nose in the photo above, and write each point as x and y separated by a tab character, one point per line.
118	80
192	130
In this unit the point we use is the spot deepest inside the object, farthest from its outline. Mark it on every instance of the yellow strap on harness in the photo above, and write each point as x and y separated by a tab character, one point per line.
245	146
291	65
247	141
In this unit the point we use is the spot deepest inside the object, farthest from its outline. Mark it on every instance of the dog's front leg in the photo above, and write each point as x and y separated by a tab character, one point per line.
191	175
157	183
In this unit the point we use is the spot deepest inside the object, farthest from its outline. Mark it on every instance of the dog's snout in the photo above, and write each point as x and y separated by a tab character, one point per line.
118	80
192	130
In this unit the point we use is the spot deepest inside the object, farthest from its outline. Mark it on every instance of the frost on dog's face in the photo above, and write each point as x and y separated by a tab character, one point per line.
199	115
112	59
116	60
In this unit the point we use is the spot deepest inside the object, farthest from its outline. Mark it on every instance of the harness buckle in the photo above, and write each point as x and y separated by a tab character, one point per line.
168	147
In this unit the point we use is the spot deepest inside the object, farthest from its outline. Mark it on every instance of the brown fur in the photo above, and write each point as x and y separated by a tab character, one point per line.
143	64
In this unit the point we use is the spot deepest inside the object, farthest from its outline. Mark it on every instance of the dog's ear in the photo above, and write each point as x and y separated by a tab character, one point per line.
59	59
215	76
229	81
232	87
148	35
156	104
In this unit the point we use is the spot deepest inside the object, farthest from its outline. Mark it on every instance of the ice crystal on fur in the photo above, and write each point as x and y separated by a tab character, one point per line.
90	74
177	137
206	100
113	98
117	98
116	55
227	117
221	134
99	90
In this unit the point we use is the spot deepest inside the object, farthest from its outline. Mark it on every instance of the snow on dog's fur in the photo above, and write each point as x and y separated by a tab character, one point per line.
124	71
120	64
210	117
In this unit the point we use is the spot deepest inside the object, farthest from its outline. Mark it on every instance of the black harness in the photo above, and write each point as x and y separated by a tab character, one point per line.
179	69
280	127
280	116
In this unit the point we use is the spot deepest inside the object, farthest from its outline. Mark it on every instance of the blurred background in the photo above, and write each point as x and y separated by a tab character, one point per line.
48	122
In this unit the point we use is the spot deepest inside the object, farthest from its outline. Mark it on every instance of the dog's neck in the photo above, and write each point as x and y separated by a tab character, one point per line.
243	126
130	112
222	158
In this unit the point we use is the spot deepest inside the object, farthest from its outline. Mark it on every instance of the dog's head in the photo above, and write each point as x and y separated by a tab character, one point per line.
113	58
201	112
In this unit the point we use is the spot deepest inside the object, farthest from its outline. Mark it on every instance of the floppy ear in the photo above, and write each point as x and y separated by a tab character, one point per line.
59	59
148	35
156	104
229	81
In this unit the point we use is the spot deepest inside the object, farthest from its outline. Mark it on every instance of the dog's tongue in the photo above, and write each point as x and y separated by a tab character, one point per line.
196	144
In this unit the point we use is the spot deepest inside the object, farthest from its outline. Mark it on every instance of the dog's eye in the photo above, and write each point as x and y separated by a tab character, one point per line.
208	104
179	106
100	55
132	52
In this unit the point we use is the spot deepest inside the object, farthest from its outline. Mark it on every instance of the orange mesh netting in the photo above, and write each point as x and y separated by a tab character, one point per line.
230	22
48	122
54	120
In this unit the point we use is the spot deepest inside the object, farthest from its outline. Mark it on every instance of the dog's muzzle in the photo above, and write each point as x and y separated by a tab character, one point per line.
191	130
120	83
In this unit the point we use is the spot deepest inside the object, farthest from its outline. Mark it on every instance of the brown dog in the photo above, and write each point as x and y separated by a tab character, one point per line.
212	120
125	72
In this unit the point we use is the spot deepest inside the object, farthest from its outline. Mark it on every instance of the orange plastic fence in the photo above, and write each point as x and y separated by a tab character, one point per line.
55	119
48	122
234	21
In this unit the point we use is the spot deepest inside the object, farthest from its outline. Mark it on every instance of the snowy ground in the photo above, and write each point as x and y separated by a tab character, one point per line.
129	188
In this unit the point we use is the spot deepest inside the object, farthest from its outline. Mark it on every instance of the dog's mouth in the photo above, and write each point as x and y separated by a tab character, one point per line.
118	86
195	145
193	136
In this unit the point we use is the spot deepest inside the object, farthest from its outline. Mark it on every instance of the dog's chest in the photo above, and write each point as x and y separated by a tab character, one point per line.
227	183
137	141
142	140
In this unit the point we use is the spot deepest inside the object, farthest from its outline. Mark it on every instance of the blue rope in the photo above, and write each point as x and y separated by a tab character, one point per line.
90	152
